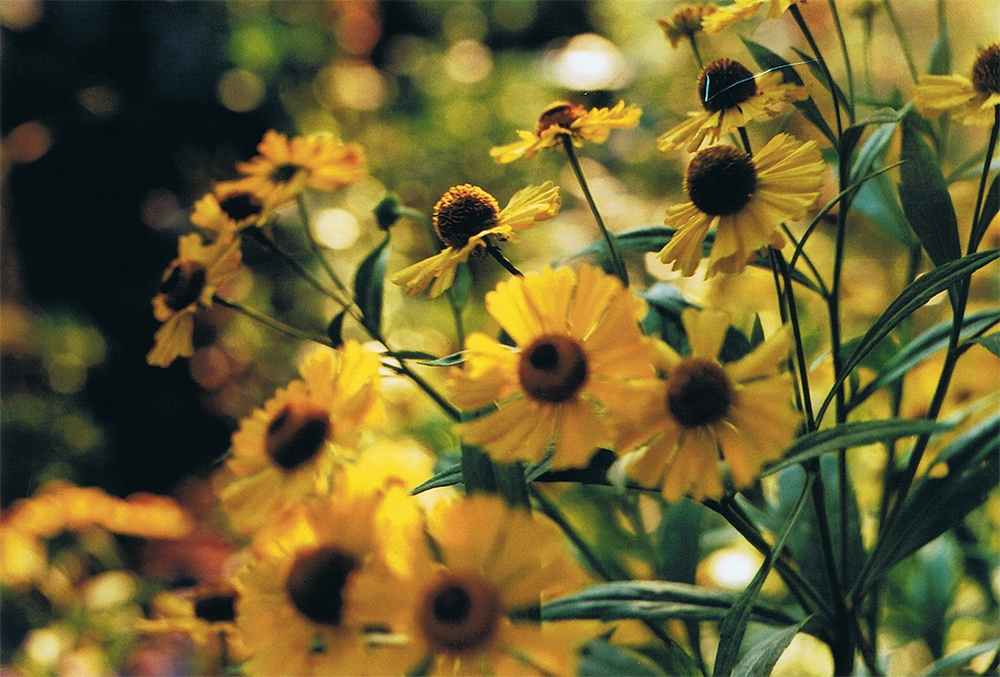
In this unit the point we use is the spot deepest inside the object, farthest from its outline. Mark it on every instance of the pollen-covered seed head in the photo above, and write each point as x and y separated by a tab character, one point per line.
460	614
720	180
297	433
986	70
463	212
552	368
316	584
725	84
561	114
699	393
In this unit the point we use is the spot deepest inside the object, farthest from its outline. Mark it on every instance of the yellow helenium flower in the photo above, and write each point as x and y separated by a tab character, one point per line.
741	10
731	97
564	118
285	167
707	413
744	199
228	209
971	101
188	285
580	359
464	218
317	597
685	21
494	561
289	449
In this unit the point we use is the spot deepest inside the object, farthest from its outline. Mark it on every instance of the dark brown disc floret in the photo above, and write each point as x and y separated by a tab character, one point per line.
720	180
552	369
699	393
725	84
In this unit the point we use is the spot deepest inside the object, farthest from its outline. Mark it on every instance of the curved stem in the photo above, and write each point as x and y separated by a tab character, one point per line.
273	323
800	20
495	252
314	245
694	48
847	60
745	140
977	233
897	28
800	355
616	259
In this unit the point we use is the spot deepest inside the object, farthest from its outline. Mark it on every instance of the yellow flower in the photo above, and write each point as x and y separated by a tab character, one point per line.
228	209
707	412
188	286
969	101
290	448
570	119
317	597
580	358
741	10
685	21
731	97
464	218
285	167
744	199
494	561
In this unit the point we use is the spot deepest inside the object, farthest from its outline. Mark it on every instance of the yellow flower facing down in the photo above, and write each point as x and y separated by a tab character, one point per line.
494	561
317	597
290	448
464	218
685	21
708	413
564	118
580	360
971	101
285	167
731	96
206	614
744	199
741	10
228	209
187	286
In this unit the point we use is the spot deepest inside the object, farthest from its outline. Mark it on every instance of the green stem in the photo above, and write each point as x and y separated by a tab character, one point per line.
261	238
314	245
823	291
800	20
694	48
495	252
897	27
273	323
847	60
616	259
745	140
976	235
800	355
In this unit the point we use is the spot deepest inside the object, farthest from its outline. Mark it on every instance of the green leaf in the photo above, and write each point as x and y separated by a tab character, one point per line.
922	347
335	329
991	342
940	61
412	355
877	200
854	434
655	601
947	664
817	72
925	198
991	205
919	292
448	477
447	361
643	239
671	658
768	60
760	658
368	283
599	657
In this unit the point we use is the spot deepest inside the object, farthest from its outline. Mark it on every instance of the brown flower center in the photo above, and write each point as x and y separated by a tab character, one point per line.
552	368
297	433
460	614
699	392
183	284
720	180
561	114
316	584
725	84
284	173
463	212
240	206
216	608
986	71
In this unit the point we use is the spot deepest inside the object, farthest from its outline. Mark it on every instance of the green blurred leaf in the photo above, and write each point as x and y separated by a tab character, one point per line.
447	361
335	330
919	292
853	434
671	658
925	198
991	205
947	664
462	286
877	142
991	342
655	601
599	658
940	61
922	347
768	60
877	200
368	283
448	477
760	658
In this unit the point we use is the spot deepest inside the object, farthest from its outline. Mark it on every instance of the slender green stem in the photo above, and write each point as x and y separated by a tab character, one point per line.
616	258
495	252
745	140
261	238
904	44
800	20
977	233
314	245
453	413
800	355
693	41
273	323
847	60
805	257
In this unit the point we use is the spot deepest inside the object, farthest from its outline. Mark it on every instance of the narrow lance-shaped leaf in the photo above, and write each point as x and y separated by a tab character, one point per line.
368	283
991	205
761	657
925	198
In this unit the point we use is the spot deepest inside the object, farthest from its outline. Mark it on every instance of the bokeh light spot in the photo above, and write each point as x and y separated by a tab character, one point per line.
468	61
240	91
27	142
20	15
99	100
336	228
589	61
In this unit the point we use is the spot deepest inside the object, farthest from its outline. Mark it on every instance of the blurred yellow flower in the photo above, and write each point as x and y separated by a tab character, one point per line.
707	412
227	209
580	360
285	167
564	118
971	101
731	97
741	10
744	199
464	219
187	286
685	21
289	449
